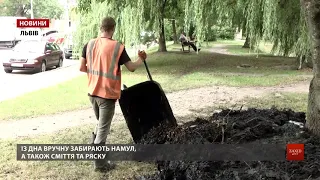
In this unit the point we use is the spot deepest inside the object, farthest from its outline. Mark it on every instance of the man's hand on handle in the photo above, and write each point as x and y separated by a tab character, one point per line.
132	66
142	55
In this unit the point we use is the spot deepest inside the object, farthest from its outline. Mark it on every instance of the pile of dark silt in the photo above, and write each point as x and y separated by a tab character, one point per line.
253	125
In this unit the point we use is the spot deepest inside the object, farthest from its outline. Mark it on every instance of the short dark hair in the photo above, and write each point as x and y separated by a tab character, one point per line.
108	24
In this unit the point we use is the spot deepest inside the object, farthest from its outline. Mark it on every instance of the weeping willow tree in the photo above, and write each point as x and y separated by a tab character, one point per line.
155	15
135	16
282	23
286	28
129	21
174	12
312	12
202	14
132	18
303	46
293	28
239	20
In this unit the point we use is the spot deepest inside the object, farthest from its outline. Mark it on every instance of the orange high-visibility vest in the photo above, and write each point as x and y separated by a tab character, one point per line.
103	71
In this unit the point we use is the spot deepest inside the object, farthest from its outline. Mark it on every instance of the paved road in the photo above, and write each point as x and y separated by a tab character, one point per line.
21	82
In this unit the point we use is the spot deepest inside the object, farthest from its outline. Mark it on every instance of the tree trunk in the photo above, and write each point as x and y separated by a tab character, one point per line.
244	28
162	38
245	33
304	61
175	38
312	9
247	42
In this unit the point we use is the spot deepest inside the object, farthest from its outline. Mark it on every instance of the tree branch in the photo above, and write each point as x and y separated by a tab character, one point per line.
164	2
163	5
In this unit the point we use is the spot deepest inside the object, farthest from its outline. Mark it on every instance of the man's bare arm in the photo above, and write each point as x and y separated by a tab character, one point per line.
83	64
132	66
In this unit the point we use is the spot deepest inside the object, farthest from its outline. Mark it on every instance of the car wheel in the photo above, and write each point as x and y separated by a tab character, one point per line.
67	57
60	64
43	67
8	70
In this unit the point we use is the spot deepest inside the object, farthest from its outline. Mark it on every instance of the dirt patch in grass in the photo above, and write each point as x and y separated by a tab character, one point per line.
253	125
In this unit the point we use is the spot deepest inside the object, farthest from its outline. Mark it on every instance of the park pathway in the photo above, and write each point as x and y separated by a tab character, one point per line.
220	48
186	105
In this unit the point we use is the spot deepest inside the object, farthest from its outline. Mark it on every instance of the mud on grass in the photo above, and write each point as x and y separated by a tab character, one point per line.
252	125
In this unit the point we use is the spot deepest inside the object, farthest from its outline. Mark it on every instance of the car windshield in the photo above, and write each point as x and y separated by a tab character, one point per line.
30	46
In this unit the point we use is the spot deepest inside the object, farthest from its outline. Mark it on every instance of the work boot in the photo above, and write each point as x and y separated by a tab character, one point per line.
103	165
93	138
108	166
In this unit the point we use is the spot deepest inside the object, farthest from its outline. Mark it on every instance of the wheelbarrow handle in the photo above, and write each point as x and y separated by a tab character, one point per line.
149	74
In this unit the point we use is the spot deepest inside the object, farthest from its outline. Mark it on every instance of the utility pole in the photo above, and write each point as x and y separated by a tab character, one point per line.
31	4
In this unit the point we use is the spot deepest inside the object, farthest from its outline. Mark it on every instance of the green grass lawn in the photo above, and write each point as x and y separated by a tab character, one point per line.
174	70
295	101
235	47
10	168
226	42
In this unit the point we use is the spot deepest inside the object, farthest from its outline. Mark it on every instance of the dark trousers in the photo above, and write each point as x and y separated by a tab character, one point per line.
104	112
194	47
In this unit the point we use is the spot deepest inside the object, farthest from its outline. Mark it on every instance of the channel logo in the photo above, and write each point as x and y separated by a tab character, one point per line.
295	152
33	23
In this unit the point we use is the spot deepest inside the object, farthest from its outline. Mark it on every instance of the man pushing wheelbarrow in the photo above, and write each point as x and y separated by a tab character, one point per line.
143	105
101	60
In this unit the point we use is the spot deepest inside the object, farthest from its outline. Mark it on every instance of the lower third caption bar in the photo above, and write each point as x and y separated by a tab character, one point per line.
156	152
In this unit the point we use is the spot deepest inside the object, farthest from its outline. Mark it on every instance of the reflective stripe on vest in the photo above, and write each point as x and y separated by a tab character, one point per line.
108	74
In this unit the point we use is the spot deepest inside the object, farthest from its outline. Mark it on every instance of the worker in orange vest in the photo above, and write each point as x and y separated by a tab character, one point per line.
101	60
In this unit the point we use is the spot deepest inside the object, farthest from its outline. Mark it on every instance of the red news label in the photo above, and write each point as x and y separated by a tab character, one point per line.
295	152
33	23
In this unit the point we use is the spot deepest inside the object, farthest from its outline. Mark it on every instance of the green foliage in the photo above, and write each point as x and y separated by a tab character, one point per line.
84	6
281	22
147	38
285	26
254	21
203	14
133	17
129	22
238	9
221	32
302	47
168	30
174	9
47	9
14	8
41	8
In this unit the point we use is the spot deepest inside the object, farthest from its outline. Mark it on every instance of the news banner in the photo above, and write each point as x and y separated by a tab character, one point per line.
160	152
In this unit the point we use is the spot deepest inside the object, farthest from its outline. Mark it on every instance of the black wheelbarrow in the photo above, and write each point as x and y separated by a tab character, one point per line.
145	106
